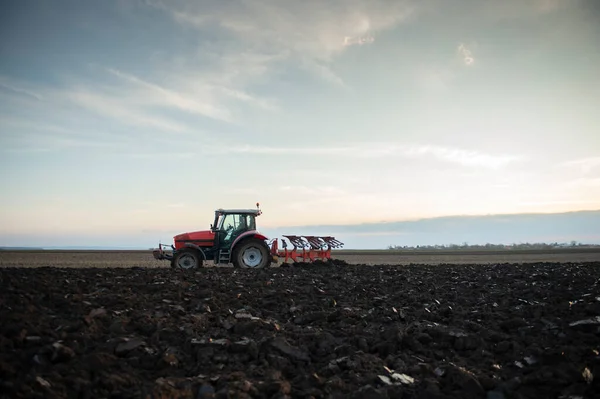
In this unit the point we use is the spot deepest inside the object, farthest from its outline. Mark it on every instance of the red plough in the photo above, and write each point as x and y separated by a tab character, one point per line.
305	248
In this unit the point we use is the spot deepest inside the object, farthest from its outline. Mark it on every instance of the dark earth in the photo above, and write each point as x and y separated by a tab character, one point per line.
320	331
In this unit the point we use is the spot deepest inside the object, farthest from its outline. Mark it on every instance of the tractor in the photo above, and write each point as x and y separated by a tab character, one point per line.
234	238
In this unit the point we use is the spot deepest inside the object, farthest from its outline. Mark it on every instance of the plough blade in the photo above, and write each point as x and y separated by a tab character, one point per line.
305	248
332	242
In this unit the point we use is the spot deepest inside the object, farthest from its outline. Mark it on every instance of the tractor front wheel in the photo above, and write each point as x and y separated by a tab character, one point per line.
187	259
252	253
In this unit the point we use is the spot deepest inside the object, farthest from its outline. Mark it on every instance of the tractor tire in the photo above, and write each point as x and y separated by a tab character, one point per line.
251	254
187	259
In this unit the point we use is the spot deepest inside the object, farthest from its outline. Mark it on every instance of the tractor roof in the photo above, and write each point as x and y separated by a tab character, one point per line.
254	212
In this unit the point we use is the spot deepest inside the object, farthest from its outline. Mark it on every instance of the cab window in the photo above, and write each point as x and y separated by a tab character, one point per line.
238	222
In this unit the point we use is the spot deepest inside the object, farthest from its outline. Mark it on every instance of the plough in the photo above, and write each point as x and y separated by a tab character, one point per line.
306	248
233	238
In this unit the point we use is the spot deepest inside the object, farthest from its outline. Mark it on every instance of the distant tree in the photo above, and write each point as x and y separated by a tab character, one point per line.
495	247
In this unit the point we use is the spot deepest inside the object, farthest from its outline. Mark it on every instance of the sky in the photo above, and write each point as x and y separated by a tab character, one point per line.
138	118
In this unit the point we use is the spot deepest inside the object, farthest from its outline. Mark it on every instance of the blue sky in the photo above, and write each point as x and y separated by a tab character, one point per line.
139	118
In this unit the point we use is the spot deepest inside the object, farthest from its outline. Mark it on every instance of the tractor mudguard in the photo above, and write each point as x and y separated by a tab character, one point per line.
250	233
260	236
190	245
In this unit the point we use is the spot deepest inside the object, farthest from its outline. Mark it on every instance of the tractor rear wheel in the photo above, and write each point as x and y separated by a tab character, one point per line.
187	259
252	254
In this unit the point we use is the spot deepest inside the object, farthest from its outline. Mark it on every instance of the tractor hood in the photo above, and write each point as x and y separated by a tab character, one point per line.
202	238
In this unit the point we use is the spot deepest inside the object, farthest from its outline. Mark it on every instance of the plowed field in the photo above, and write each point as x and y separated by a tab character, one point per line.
487	330
375	257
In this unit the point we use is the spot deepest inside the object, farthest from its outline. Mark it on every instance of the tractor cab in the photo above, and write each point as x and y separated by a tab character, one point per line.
229	224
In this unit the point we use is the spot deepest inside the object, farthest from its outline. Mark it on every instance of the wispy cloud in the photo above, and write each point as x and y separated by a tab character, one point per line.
248	98
254	149
31	126
558	202
6	84
313	32
381	233
22	136
284	24
324	72
545	6
160	155
318	191
585	165
358	41
517	9
462	156
303	197
466	54
126	110
367	150
434	78
62	105
133	101
242	191
172	98
586	182
135	106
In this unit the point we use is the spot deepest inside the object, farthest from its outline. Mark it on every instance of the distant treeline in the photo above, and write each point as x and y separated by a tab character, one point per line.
20	249
494	247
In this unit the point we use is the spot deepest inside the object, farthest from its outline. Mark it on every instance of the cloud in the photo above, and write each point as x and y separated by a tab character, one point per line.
24	136
32	126
312	31
558	202
241	191
462	156
213	83
254	149
371	233
515	9
318	191
302	198
126	110
171	98
324	72
587	182
62	106
466	54
6	84
136	106
585	165
247	98
367	150
434	78
160	155
354	41
546	6
129	100
313	28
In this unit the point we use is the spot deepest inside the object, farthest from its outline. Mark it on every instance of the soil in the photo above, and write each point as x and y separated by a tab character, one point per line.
321	331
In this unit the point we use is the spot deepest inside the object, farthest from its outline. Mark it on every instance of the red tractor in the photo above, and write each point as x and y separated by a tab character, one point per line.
233	238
